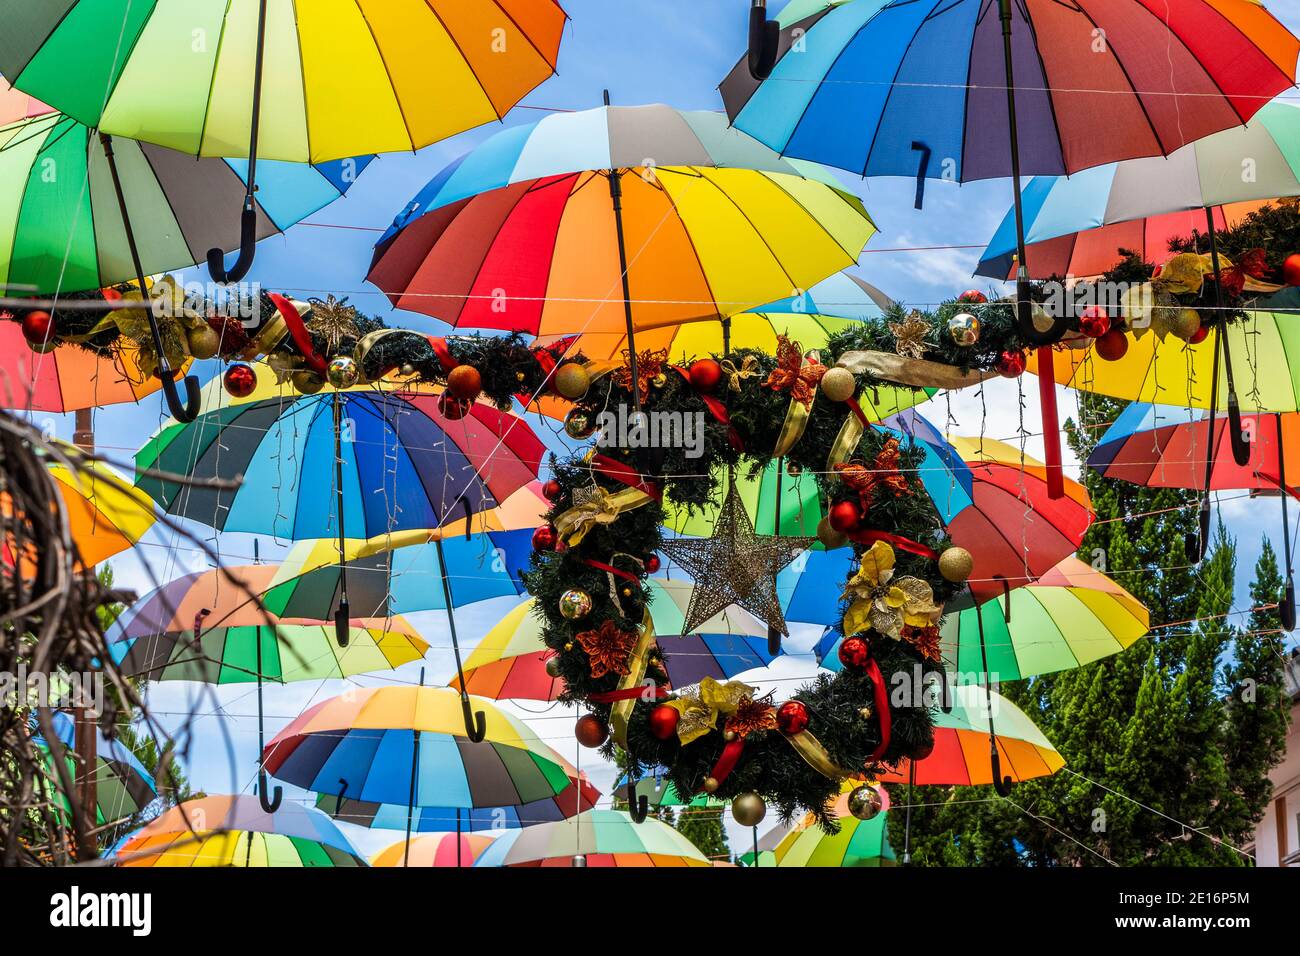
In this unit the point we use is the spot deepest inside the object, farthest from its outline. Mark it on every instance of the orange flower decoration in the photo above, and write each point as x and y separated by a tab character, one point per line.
792	374
649	366
608	649
750	717
884	472
924	639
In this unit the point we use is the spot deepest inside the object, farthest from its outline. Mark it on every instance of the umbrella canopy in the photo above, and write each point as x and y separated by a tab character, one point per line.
390	574
236	831
1071	616
361	745
1014	530
1164	446
510	661
406	465
870	77
577	797
1078	223
604	837
522	233
72	239
122	784
842	295
1173	372
69	378
339	78
860	843
434	849
106	514
801	506
961	744
659	791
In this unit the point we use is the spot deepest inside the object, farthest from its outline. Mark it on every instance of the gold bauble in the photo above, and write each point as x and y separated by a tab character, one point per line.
865	802
829	537
575	605
711	785
343	371
956	565
553	666
728	735
748	809
203	341
572	380
1185	323
307	382
838	384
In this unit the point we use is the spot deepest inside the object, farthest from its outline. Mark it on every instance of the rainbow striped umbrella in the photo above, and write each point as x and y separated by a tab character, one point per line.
434	849
236	831
122	784
602	838
360	745
659	791
107	515
718	225
860	843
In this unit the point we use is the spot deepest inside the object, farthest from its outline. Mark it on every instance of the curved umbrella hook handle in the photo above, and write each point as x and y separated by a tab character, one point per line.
1025	320
272	803
638	807
247	250
343	623
1286	607
1240	444
1203	543
187	411
475	721
764	41
1000	783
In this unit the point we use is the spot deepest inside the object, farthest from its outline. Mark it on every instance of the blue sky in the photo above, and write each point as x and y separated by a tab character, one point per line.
670	51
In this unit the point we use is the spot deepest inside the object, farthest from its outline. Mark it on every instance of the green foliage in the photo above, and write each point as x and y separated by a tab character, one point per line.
1167	760
1275	228
703	827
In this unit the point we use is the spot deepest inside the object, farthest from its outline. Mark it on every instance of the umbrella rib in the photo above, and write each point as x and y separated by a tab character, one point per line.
397	100
893	83
474	73
1128	79
524	33
1051	100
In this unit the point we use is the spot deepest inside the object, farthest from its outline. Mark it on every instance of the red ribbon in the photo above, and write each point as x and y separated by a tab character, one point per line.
718	411
882	707
727	762
441	350
869	536
626	474
1051	423
618	572
628	693
298	331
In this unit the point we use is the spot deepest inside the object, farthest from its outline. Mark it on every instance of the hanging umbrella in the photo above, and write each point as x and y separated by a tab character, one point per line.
69	378
577	797
797	496
882	88
842	295
860	843
716	225
399	573
236	831
438	849
602	838
1014	530
961	744
123	786
509	663
659	791
262	80
106	514
1077	221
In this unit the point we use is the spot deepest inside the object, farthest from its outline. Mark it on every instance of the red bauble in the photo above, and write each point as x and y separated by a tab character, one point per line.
1291	269
792	717
1200	335
651	563
38	328
1094	322
465	382
705	375
972	295
240	380
552	490
1011	364
921	751
1112	346
663	721
591	731
845	516
545	538
452	408
854	653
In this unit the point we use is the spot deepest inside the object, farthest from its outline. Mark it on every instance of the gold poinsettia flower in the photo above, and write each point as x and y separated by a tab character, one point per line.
885	604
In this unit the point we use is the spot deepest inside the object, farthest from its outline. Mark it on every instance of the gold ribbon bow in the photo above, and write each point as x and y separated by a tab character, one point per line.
884	603
1185	273
736	376
593	507
701	708
621	712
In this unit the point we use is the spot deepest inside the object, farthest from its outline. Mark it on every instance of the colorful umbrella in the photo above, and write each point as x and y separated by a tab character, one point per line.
1014	530
881	88
659	791
72	239
106	514
437	849
961	744
1077	225
860	843
797	496
407	745
122	784
602	838
540	227
842	295
510	661
236	831
399	573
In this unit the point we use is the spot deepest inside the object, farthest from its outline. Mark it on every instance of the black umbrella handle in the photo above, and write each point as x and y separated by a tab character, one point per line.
247	250
638	807
188	410
1000	783
1240	446
475	721
272	802
1286	608
343	623
764	41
